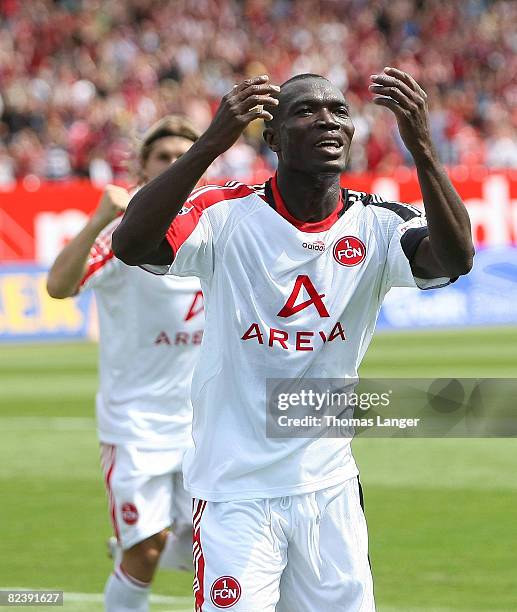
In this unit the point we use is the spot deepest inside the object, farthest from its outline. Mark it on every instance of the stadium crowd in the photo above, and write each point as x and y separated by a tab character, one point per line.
79	79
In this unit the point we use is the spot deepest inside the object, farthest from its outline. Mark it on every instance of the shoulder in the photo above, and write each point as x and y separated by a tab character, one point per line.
381	207
218	204
212	208
210	195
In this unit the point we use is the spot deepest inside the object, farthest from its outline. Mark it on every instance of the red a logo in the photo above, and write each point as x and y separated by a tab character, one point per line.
196	307
162	338
315	298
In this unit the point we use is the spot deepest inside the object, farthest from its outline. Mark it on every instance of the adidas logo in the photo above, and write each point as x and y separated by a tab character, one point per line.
319	245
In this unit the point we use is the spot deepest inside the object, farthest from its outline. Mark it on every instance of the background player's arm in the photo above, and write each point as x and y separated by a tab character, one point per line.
71	264
448	251
140	237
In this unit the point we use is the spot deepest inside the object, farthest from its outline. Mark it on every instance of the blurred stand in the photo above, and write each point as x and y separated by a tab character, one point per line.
81	78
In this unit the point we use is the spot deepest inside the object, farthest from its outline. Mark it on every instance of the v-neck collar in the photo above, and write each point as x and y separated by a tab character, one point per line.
275	200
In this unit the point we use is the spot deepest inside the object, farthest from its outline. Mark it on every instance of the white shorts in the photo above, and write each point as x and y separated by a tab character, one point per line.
307	553
145	491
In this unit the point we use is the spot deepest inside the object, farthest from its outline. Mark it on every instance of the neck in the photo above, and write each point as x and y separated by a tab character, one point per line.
308	197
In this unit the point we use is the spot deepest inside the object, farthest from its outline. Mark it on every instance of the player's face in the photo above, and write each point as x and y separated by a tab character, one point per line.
315	127
163	153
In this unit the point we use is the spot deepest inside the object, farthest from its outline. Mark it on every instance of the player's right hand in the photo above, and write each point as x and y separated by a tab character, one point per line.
238	108
114	200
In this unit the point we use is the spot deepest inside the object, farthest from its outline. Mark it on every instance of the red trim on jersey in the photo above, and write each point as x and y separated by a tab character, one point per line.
304	226
96	266
101	252
199	200
108	464
199	559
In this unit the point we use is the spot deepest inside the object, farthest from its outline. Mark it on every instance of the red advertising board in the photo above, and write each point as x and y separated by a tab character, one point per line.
36	220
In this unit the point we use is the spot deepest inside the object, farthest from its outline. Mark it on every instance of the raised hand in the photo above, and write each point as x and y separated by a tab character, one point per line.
399	92
238	108
114	200
140	237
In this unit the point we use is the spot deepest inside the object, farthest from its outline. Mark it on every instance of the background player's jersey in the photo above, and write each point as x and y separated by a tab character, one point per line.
283	299
150	334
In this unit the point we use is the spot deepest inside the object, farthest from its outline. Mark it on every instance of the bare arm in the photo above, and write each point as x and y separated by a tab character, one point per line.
140	237
448	250
70	265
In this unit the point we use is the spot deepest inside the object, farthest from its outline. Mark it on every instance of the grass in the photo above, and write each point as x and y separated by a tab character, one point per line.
439	511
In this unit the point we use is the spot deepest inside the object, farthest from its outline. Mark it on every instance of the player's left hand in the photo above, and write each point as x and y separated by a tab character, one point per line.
399	92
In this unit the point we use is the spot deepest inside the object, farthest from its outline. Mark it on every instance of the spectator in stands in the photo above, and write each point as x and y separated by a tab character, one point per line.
76	74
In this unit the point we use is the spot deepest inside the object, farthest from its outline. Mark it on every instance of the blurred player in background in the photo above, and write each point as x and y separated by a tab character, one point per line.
150	333
294	274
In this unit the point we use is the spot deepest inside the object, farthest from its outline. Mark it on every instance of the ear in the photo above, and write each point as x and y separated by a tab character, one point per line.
270	137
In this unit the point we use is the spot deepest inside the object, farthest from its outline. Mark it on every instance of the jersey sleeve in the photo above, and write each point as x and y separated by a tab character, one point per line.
102	264
406	234
194	232
190	238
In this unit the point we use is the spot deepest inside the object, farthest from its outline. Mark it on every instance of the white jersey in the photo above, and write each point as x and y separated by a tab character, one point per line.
283	299
151	329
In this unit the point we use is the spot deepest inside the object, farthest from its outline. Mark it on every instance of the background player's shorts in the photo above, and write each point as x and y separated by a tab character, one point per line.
145	491
307	553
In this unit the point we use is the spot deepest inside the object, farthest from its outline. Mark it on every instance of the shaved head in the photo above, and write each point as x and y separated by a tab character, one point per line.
303	77
283	96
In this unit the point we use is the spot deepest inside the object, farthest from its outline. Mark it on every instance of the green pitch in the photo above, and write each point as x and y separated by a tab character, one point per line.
441	513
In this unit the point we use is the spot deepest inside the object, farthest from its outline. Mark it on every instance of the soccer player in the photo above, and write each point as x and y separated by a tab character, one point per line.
293	275
150	334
